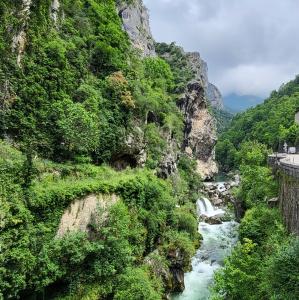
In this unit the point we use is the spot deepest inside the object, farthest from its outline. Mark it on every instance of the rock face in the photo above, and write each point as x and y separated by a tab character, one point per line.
19	40
200	126
135	20
200	69
132	153
176	258
214	96
82	213
168	165
55	5
200	129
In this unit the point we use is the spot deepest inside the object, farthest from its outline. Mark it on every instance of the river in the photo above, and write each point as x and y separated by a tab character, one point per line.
218	241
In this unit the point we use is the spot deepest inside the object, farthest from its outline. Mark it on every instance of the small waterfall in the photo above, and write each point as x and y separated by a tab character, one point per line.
218	241
205	207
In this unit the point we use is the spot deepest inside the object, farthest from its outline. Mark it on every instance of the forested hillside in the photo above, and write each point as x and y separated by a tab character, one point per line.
87	118
265	263
271	123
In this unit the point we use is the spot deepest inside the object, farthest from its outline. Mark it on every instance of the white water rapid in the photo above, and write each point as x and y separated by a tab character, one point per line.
205	208
217	243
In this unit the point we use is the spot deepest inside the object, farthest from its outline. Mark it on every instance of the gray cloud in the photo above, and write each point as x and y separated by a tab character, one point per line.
251	46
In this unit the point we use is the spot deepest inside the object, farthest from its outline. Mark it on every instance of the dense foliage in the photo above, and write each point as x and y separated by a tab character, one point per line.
70	102
264	264
80	83
146	218
271	123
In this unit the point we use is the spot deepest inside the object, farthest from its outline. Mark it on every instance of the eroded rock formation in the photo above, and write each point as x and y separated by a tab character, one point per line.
200	129
84	212
200	69
135	20
214	96
19	40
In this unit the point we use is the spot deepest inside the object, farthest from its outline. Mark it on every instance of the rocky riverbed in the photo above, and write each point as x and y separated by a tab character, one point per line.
219	231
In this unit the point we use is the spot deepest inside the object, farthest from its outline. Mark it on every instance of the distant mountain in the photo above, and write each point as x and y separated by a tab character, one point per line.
237	103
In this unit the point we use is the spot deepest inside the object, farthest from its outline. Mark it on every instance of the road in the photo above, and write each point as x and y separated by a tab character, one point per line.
292	159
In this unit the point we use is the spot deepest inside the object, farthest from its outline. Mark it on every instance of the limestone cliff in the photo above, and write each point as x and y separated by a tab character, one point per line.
19	39
135	20
200	130
200	69
214	96
82	213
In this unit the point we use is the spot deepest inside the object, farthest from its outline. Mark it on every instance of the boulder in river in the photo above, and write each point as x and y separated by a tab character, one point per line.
212	220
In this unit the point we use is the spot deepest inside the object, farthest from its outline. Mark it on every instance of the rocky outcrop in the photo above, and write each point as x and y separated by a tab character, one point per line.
200	69
214	96
156	262
200	129
176	259
82	213
19	40
200	126
168	164
135	21
132	153
55	6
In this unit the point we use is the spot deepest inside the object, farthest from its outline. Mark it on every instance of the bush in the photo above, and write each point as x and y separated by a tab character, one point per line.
283	272
259	223
137	284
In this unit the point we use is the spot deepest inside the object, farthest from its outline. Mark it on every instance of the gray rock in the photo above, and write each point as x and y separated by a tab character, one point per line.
132	152
135	21
200	129
200	68
214	220
214	96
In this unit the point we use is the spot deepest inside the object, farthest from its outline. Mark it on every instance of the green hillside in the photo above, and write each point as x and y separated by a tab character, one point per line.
264	264
271	123
69	105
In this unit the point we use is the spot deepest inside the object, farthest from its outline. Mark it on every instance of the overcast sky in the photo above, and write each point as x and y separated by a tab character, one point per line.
251	46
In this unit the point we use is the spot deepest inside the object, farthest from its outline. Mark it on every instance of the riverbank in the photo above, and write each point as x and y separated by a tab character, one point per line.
219	237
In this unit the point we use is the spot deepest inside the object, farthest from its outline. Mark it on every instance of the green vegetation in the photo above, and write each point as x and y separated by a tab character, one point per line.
264	264
66	114
34	262
271	123
174	55
223	119
80	85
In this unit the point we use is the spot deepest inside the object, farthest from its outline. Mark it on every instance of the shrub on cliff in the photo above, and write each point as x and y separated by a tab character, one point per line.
283	272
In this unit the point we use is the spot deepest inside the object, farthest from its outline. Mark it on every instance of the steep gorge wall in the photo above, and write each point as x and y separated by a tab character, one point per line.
19	40
200	69
135	21
200	127
199	131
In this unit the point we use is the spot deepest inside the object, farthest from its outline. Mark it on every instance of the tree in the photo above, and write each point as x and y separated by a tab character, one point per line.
137	284
78	128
